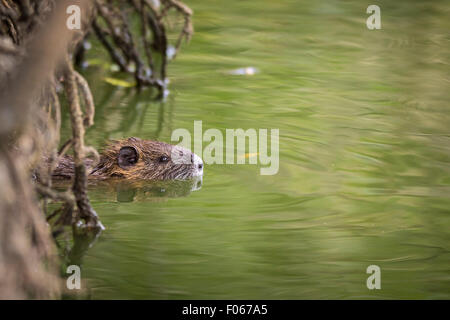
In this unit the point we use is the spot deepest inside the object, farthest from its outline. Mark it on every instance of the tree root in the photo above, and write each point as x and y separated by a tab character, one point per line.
32	46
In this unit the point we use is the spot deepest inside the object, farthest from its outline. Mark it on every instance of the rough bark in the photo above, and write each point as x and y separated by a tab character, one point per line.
36	50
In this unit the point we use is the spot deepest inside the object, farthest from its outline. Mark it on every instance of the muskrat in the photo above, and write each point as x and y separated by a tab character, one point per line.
135	158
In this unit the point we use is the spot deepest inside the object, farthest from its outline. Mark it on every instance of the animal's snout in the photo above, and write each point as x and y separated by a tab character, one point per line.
192	161
198	164
196	161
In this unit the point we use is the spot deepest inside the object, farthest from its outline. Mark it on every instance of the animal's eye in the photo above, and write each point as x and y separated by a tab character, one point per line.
163	159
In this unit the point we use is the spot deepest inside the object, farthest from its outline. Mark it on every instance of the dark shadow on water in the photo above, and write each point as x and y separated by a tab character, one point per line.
130	108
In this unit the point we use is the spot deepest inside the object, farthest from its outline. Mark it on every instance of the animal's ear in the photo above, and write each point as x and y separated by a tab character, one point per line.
128	156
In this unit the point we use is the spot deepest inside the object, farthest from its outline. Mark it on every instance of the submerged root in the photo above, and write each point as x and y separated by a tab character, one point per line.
35	63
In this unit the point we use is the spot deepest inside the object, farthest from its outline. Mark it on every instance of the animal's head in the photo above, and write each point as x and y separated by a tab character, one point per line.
134	158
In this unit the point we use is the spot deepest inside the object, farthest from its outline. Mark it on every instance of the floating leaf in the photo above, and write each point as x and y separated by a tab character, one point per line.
251	155
119	82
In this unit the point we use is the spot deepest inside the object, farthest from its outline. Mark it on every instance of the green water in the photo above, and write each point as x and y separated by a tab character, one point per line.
364	175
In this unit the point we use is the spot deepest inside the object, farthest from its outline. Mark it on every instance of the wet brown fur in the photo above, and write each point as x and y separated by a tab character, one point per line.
147	167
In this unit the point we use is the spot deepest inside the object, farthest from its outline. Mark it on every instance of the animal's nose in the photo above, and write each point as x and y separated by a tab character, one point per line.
197	165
